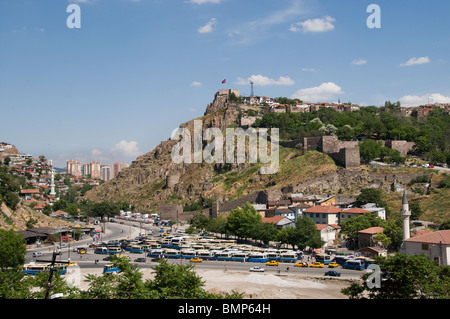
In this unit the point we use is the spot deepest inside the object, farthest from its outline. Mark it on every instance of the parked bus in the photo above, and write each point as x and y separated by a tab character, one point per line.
323	258
101	250
172	253
239	256
145	247
113	250
198	246
156	253
33	268
110	269
137	249
257	257
176	242
205	254
221	255
341	259
188	253
357	264
290	257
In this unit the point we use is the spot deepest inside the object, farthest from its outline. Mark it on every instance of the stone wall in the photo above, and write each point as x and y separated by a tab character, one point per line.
403	147
170	211
345	153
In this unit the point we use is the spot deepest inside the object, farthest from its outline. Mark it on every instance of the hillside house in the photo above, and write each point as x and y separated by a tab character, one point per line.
283	203
328	233
379	211
279	221
286	212
28	194
373	251
435	245
325	215
348	213
365	236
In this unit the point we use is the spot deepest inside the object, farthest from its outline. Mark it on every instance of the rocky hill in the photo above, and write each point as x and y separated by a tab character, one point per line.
153	178
17	220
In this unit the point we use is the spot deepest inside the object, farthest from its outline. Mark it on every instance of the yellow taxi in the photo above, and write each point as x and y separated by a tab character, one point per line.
196	260
272	263
317	264
333	264
301	264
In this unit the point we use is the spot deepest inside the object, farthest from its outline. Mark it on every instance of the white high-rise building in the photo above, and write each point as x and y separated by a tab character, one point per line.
106	173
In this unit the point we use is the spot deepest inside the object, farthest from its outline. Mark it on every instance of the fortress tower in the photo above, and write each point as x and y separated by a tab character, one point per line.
405	213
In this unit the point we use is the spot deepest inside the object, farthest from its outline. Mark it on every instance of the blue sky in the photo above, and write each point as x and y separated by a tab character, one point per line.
114	88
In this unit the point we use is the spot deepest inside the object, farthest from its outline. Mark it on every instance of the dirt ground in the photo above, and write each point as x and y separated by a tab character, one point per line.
270	286
261	285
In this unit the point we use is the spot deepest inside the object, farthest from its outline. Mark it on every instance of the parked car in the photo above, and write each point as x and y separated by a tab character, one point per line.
333	273
140	260
317	264
37	254
257	269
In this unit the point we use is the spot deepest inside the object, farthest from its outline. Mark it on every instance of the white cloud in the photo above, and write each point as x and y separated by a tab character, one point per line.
323	92
308	70
359	62
414	61
196	83
314	25
208	28
129	149
261	80
416	100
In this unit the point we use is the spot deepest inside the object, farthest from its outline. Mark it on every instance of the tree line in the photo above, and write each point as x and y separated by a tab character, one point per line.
430	133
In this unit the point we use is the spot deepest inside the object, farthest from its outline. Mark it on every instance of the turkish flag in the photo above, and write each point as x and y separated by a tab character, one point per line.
224	81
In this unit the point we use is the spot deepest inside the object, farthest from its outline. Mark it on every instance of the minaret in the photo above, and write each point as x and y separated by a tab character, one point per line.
52	184
405	213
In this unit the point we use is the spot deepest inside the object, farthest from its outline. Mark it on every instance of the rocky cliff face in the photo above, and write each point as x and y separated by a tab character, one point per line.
154	178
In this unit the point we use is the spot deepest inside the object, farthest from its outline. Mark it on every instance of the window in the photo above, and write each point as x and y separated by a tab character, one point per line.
324	215
424	246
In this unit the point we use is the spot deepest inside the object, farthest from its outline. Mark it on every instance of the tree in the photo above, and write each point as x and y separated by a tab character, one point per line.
12	250
244	221
12	258
104	209
371	195
306	233
369	150
352	226
405	277
171	281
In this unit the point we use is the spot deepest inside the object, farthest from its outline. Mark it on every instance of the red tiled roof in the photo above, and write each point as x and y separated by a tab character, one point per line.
272	220
356	211
323	209
29	191
372	230
437	237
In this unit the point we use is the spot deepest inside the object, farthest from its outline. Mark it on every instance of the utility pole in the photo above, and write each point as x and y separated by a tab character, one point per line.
52	269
